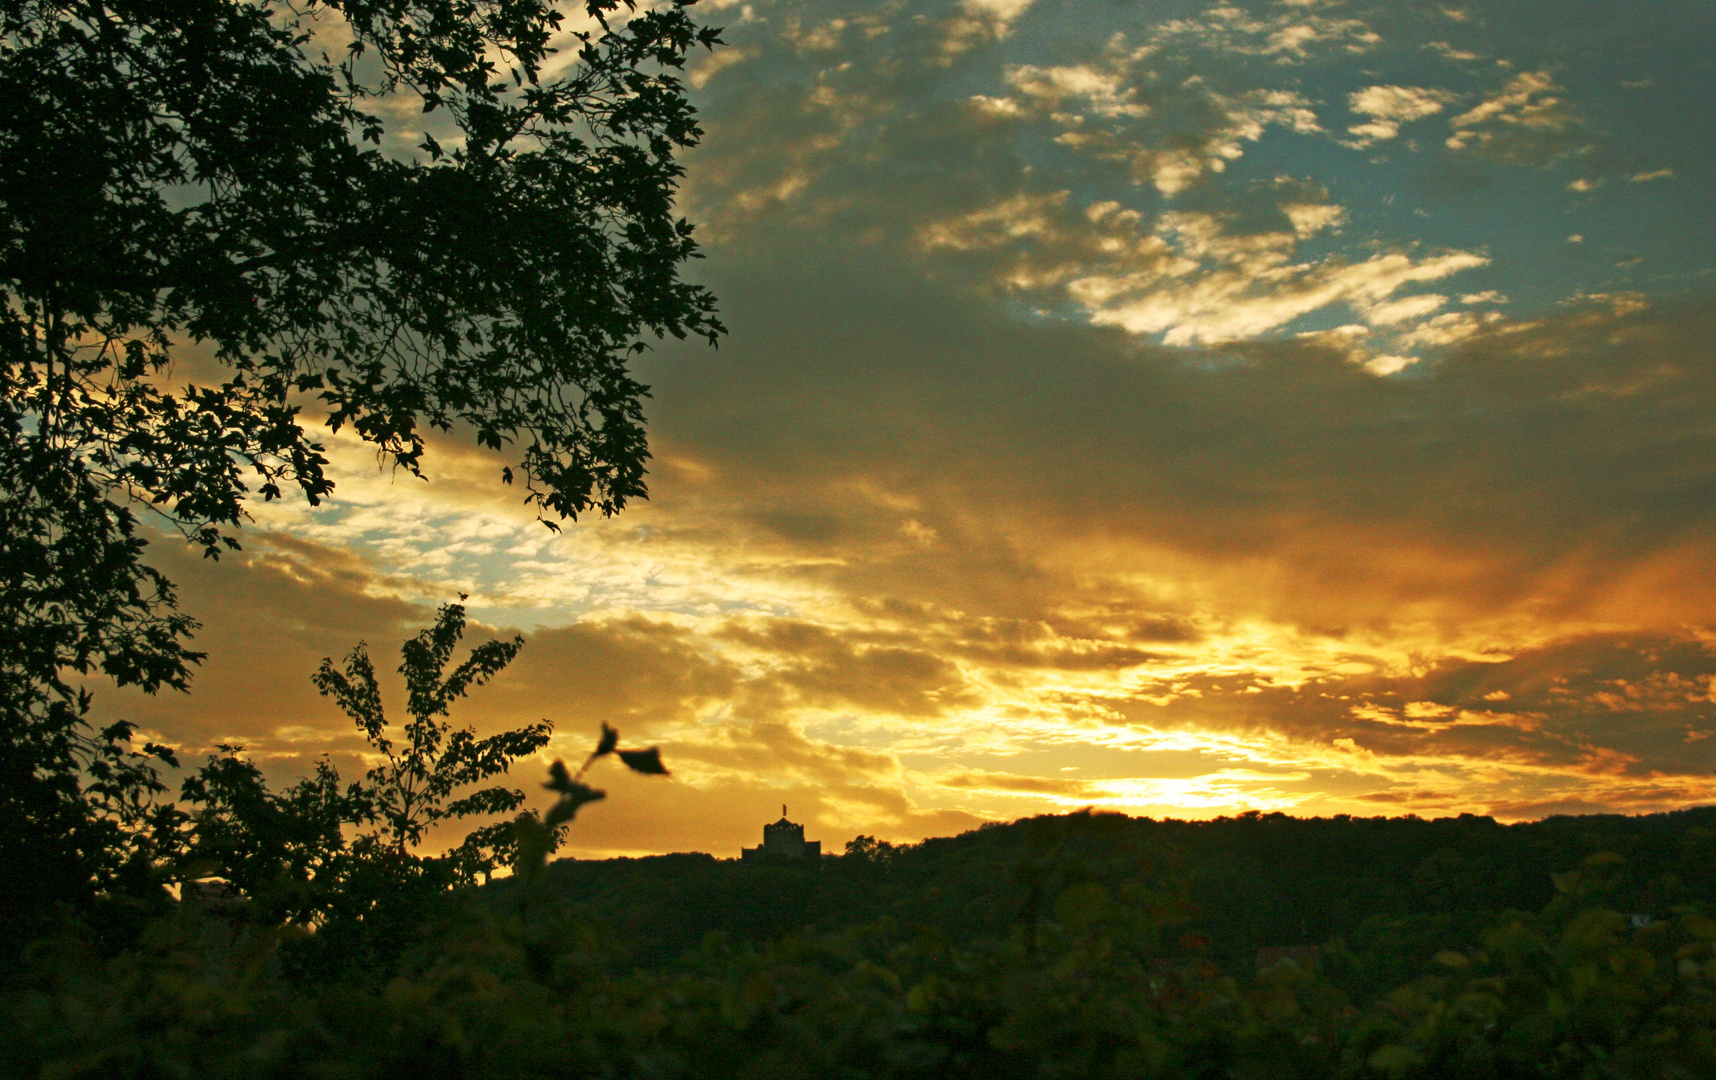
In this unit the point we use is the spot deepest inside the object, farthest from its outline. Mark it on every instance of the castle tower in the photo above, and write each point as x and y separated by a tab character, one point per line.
784	838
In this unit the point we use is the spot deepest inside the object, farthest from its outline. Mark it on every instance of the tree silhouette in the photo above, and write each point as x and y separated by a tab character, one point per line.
419	783
284	852
401	215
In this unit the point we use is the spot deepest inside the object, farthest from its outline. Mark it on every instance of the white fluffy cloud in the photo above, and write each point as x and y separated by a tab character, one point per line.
1390	106
1001	13
1242	290
1530	121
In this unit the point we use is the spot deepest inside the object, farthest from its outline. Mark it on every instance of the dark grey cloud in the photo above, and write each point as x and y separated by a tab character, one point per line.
1558	465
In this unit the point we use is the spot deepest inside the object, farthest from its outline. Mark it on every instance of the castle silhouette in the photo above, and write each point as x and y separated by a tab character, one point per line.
786	839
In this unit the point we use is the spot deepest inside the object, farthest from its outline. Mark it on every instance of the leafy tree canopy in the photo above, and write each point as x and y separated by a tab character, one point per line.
425	778
344	856
243	176
390	215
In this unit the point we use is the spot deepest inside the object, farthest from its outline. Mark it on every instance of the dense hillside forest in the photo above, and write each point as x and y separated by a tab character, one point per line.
1397	889
1080	946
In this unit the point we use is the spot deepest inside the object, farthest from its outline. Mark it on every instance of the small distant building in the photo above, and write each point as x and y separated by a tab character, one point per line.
786	839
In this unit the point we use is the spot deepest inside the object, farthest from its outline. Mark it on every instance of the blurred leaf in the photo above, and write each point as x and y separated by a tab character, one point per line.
610	740
578	794
644	761
558	778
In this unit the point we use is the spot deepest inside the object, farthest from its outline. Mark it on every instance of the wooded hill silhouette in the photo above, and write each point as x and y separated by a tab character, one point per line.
1404	886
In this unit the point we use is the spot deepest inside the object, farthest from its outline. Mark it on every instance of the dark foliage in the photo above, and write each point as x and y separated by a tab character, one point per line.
414	789
75	802
208	171
203	182
1396	890
1092	977
342	860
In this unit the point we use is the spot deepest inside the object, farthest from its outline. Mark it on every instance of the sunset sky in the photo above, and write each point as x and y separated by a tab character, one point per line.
1171	408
